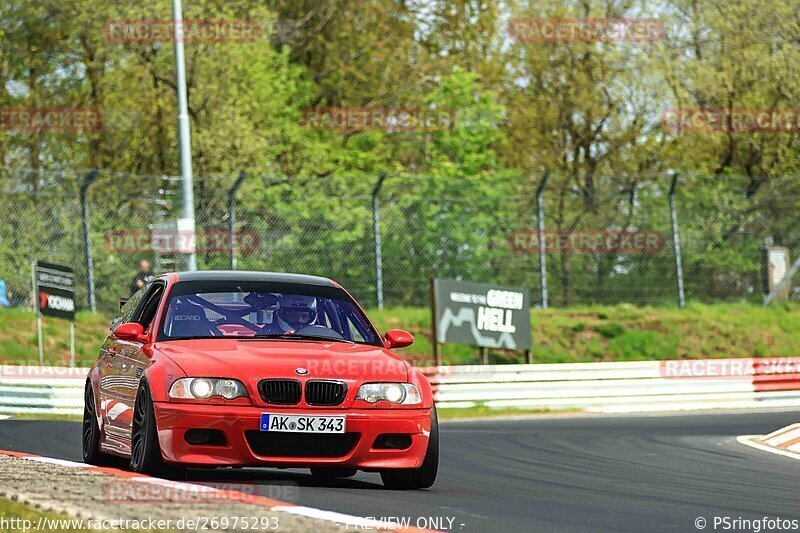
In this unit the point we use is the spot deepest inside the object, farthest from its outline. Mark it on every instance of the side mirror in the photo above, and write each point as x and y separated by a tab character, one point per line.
397	338
129	331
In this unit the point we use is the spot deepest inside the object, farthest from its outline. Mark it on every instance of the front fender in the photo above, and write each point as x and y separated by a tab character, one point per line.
160	374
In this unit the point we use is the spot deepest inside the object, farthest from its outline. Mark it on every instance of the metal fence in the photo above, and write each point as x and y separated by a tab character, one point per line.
632	239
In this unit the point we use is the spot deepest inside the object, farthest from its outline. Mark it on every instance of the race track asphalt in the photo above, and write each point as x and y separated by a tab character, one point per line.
568	473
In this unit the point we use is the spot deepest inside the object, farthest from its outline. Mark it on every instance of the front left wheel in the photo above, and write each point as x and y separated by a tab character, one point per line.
145	451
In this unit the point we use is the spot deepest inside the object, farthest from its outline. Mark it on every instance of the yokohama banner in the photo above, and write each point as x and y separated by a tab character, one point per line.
55	290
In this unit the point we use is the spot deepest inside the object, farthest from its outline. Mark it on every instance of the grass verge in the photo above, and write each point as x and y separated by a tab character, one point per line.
625	333
15	517
576	334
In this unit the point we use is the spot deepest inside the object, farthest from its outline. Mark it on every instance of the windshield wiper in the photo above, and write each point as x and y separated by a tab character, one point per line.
296	336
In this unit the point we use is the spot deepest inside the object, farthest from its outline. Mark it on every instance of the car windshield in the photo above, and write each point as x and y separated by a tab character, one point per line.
261	310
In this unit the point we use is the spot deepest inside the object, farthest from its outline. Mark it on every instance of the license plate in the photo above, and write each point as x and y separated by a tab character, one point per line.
302	423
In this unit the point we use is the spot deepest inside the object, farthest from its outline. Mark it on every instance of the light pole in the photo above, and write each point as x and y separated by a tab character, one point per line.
376	224
673	214
187	214
540	237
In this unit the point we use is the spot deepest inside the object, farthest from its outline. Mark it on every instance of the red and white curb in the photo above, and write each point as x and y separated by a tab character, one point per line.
341	519
785	441
787	438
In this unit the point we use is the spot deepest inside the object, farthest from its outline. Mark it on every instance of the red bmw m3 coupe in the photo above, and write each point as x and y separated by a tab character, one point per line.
258	369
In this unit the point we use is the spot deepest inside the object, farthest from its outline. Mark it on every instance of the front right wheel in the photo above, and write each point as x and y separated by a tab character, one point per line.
422	477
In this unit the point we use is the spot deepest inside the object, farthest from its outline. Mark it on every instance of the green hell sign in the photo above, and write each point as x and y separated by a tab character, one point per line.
487	316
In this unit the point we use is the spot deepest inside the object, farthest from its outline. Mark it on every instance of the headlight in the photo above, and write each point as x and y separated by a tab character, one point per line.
396	393
202	388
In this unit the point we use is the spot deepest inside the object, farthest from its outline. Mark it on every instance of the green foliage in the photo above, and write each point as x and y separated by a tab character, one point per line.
610	330
587	112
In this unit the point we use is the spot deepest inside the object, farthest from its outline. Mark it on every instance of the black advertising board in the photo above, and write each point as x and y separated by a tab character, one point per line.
55	290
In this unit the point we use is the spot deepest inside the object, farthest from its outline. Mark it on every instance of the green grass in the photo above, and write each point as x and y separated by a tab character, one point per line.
19	345
626	333
575	334
11	510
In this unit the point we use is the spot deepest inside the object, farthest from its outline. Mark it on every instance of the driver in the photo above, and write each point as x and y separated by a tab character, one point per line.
296	312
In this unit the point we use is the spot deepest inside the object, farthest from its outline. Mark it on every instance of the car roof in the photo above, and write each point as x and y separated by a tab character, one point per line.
244	275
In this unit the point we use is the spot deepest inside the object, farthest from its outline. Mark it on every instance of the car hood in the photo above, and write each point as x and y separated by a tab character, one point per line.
253	360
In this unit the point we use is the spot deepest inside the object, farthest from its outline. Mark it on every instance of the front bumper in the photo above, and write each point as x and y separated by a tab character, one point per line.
174	419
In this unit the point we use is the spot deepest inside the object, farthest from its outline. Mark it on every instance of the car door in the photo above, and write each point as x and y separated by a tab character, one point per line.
109	364
132	359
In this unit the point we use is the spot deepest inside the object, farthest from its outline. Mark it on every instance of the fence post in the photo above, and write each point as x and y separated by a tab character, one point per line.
376	223
87	245
232	216
675	241
540	237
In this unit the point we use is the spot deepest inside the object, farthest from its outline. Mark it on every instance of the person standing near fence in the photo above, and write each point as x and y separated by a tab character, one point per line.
143	276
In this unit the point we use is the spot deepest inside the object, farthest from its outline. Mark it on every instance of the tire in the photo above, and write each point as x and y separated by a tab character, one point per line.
333	473
422	477
91	431
145	451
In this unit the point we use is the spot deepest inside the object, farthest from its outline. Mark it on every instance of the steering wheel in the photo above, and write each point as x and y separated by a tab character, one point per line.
318	330
237	322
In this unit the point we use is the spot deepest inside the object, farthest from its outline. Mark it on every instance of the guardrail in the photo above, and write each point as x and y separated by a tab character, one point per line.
41	390
603	387
624	386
